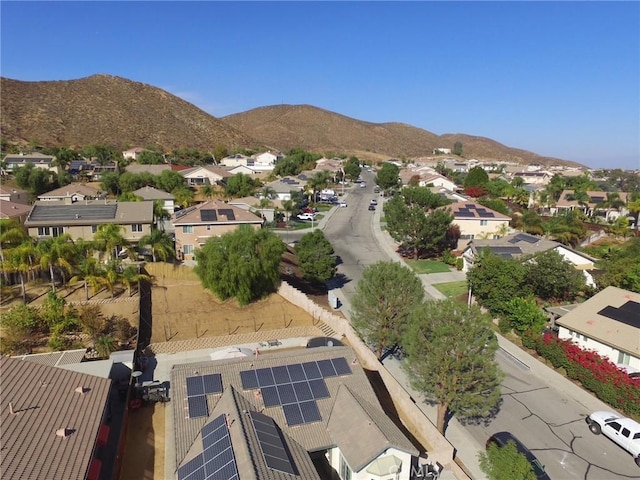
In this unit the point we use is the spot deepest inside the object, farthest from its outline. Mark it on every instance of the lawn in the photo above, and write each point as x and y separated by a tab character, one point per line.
452	289
428	266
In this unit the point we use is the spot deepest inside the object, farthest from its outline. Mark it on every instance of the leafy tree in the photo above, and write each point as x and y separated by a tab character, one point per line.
388	176
621	268
295	162
131	275
12	234
352	168
450	359
506	463
551	277
108	237
477	177
497	187
183	196
494	281
19	326
384	298
318	182
316	257
219	152
147	157
105	345
129	197
169	180
129	182
243	264
567	229
240	185
495	204
92	322
523	314
207	191
33	179
53	310
90	272
22	259
110	183
457	148
160	244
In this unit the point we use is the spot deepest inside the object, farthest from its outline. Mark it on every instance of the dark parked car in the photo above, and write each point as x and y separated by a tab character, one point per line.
372	207
501	438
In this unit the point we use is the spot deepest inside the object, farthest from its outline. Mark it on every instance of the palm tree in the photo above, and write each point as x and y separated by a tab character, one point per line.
318	182
108	237
105	345
207	191
112	275
160	244
90	271
12	234
288	206
613	202
634	207
22	259
131	275
159	214
56	252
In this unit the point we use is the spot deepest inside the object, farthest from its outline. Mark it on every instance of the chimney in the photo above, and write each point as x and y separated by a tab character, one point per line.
80	390
64	432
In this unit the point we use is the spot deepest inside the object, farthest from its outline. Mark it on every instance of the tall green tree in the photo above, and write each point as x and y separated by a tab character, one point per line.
243	264
240	185
108	237
352	168
552	277
12	234
90	272
388	176
183	196
457	148
159	243
56	253
506	463
316	257
477	177
385	296
450	359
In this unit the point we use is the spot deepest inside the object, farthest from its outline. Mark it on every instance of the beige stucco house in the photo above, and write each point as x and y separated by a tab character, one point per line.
195	225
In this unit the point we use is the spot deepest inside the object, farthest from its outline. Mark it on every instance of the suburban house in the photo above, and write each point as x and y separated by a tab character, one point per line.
287	411
267	160
82	219
286	185
38	160
53	421
90	171
477	221
536	177
15	195
74	192
426	177
442	151
236	160
151	194
205	175
595	203
132	153
609	324
517	245
195	225
14	211
331	165
253	204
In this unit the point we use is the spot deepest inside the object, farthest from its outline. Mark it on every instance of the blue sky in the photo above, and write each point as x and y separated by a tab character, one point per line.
561	79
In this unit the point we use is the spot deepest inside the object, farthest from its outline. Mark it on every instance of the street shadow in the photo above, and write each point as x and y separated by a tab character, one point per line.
338	281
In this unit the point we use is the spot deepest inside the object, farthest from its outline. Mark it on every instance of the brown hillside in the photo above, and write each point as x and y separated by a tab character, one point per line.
111	110
312	128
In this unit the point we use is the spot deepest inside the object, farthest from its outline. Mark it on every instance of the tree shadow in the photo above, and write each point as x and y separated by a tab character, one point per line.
339	280
486	420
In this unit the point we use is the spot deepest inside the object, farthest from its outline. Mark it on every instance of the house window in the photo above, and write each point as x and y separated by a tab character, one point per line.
94	228
187	229
483	223
43	231
624	358
136	228
208	228
187	249
50	231
345	470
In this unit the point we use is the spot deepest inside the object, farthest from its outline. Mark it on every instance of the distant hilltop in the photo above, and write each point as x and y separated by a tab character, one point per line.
116	111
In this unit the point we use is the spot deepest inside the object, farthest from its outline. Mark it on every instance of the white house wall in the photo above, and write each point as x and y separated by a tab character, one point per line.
334	456
603	350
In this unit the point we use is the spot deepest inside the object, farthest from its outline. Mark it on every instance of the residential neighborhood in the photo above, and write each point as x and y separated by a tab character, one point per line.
296	400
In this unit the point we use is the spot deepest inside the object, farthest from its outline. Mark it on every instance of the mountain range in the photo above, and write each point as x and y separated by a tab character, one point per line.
113	110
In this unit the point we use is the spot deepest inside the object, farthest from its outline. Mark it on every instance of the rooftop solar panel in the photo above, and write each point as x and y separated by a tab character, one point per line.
319	388
265	377
286	393
485	214
292	414
465	214
296	372
227	212
275	451
303	391
280	374
92	211
197	406
628	313
311	370
208	215
249	379
270	396
326	368
195	386
310	412
341	366
212	383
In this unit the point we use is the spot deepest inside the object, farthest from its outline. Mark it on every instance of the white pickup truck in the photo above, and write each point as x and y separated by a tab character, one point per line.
624	431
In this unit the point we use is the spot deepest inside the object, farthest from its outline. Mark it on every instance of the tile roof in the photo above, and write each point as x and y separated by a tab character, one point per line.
152	169
151	193
55	359
44	400
70	190
225	213
352	419
12	209
89	212
472	210
596	198
602	318
314	436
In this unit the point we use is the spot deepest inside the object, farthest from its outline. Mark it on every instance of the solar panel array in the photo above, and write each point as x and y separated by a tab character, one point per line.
208	215
295	387
628	313
274	450
523	237
198	387
92	211
470	210
227	212
217	460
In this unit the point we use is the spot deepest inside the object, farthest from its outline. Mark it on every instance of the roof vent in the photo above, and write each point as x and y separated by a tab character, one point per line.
81	390
64	432
11	411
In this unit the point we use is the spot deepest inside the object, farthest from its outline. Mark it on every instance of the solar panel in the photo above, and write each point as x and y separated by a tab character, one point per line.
265	377
292	414
286	393
319	388
212	383
341	366
296	372
270	396
227	212
208	215
192	470
310	412
302	391
249	379
281	375
465	214
198	406
195	386
311	370
470	205
485	214
628	313
275	451
326	368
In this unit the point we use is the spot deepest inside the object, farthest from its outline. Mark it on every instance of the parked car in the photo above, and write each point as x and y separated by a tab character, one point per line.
372	207
500	439
363	185
623	431
373	202
306	216
376	189
342	204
